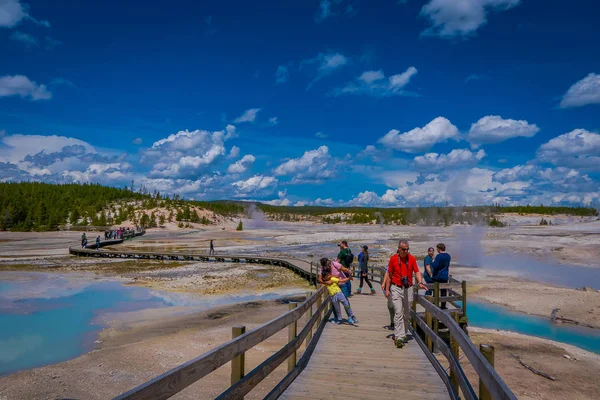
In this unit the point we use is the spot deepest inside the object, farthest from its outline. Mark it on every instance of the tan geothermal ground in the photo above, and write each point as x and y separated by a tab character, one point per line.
136	346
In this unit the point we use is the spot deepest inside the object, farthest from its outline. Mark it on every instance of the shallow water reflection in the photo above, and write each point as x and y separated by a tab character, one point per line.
49	318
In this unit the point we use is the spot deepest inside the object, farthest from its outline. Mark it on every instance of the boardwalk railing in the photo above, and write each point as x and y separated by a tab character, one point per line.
435	330
177	379
491	385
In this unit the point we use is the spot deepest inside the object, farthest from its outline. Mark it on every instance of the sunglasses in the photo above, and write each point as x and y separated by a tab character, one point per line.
402	249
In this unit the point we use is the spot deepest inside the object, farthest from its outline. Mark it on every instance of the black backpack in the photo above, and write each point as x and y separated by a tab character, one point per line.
349	258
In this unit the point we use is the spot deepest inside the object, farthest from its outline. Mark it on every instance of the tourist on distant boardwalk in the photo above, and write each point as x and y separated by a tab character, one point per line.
211	251
401	268
332	283
336	269
97	242
363	268
440	269
427	274
345	257
83	241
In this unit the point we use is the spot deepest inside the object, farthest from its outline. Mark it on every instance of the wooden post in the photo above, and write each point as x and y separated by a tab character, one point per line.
292	329
456	351
319	302
414	306
436	302
429	322
310	314
464	298
488	352
237	364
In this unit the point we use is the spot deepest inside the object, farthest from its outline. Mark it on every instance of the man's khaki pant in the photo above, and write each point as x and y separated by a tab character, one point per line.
401	298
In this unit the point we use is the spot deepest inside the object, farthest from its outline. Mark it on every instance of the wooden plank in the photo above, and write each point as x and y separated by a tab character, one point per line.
285	382
450	299
436	364
374	361
444	285
498	389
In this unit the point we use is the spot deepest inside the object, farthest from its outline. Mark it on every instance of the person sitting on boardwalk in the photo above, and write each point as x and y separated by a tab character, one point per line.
363	261
400	272
337	271
440	269
333	287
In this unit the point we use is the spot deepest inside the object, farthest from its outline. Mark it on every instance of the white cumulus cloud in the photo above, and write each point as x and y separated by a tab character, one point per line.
452	18
583	92
375	83
495	129
576	149
186	153
248	116
11	13
254	185
457	158
20	85
416	140
314	166
242	165
234	152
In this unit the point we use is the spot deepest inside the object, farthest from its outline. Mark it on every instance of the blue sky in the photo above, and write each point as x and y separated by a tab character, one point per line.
339	102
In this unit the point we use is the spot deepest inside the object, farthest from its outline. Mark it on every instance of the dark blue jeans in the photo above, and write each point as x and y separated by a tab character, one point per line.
346	289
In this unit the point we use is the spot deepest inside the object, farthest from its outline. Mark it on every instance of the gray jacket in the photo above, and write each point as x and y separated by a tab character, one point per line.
363	262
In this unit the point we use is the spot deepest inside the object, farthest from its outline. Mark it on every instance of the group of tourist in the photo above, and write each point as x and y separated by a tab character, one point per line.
397	284
111	234
120	232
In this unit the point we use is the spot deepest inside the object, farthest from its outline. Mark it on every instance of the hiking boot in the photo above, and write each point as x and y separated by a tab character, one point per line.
399	343
372	291
350	321
358	292
354	319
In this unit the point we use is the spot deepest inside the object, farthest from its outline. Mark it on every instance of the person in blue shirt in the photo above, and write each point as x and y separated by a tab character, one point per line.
363	269
427	268
440	268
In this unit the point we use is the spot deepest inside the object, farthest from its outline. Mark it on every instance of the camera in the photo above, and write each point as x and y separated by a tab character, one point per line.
405	282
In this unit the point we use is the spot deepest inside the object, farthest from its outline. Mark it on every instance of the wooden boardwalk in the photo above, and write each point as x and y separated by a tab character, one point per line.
354	362
360	362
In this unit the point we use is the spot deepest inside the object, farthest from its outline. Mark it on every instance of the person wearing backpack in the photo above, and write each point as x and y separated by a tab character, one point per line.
346	258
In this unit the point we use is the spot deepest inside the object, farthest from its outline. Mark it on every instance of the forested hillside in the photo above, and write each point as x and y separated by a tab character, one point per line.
27	206
34	206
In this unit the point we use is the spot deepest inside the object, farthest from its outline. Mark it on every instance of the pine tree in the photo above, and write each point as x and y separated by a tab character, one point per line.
240	227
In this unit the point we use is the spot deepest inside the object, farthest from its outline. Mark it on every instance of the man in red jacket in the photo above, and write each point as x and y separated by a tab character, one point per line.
398	285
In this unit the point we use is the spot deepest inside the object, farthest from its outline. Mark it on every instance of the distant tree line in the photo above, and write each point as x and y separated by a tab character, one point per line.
418	215
27	206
